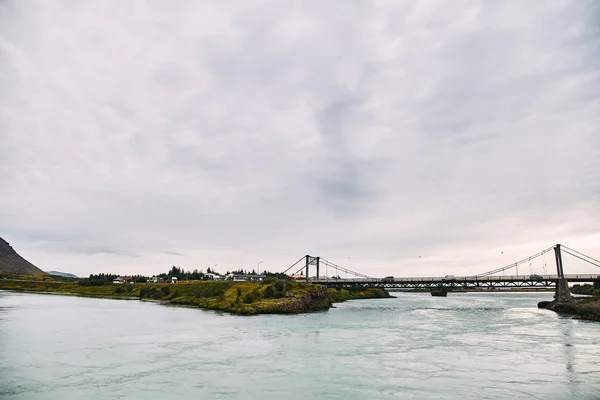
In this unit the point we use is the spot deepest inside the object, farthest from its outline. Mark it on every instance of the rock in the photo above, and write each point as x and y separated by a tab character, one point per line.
580	308
544	304
317	299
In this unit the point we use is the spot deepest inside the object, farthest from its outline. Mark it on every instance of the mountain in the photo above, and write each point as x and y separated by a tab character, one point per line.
11	261
64	274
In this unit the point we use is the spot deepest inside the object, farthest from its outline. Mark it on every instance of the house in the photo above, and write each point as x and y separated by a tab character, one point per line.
122	279
246	278
212	276
174	279
155	279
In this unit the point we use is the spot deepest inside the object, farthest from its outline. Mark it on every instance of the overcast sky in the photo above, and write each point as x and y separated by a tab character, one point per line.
390	137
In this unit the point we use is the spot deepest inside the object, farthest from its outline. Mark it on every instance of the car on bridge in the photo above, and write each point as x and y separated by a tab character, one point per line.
449	278
388	278
536	277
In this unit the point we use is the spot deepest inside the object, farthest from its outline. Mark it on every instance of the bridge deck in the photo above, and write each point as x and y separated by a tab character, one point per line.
466	281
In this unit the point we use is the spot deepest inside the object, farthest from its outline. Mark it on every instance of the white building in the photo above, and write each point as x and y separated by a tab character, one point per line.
244	278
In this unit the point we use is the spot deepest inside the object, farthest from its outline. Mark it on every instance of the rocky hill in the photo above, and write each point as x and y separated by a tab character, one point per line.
11	261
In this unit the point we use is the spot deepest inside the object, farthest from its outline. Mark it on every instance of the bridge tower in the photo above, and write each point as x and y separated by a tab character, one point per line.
312	261
562	293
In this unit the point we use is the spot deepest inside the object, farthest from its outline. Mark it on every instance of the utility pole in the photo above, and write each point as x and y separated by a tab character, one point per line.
258	267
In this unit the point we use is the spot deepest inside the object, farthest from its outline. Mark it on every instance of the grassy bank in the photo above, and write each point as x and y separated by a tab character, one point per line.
243	298
340	295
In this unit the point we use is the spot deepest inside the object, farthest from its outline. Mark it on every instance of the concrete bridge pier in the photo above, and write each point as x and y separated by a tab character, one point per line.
562	293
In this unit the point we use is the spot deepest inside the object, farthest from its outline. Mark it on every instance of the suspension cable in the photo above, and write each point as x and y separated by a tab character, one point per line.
513	265
338	268
581	254
581	258
293	265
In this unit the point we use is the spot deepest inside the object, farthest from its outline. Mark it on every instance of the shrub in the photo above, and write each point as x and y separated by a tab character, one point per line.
585	289
90	282
249	298
119	289
149	292
289	286
129	288
279	286
165	290
269	280
269	291
212	289
596	293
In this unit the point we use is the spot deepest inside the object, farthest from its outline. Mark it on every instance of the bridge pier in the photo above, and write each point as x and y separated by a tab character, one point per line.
597	284
562	293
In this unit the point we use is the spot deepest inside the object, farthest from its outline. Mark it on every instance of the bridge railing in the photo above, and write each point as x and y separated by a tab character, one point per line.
491	278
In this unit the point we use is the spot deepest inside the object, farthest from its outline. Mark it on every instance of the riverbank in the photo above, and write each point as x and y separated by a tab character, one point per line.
587	308
341	295
242	298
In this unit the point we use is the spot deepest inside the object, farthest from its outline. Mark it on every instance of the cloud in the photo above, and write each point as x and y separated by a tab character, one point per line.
233	132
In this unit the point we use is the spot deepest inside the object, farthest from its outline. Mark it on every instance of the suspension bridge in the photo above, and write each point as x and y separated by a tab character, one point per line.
302	268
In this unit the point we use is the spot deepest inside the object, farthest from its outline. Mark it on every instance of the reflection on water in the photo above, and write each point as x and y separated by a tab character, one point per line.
467	346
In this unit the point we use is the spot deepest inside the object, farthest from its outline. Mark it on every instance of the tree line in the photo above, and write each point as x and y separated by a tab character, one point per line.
174	272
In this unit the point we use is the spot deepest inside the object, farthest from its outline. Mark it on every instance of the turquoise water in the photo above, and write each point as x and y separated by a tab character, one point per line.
465	346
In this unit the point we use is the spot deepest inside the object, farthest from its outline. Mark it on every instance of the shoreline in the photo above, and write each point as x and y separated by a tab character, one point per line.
238	298
585	308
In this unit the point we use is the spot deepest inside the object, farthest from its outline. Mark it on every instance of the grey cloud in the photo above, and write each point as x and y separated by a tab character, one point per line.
173	253
73	247
232	130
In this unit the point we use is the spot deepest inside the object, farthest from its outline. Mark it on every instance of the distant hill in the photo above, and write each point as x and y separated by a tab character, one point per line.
65	274
11	261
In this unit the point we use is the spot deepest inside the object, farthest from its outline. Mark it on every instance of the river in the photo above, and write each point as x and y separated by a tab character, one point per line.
464	346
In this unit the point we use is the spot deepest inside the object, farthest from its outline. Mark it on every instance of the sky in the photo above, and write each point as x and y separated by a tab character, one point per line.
395	137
